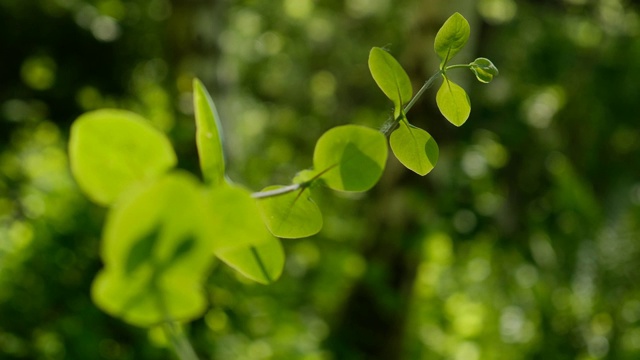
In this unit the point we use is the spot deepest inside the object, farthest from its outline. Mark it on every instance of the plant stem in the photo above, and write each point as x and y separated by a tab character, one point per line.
276	192
458	66
391	123
179	341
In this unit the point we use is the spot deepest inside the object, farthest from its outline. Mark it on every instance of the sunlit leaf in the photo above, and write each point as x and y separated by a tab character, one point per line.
390	77
157	250
351	157
262	263
453	102
110	150
235	218
451	38
484	69
291	215
208	135
414	148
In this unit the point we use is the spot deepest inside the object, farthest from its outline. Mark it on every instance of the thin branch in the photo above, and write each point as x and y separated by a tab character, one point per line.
391	123
276	192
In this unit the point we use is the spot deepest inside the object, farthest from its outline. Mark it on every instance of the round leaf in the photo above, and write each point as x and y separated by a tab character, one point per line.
110	150
157	252
414	148
390	77
451	38
262	263
351	157
292	215
453	102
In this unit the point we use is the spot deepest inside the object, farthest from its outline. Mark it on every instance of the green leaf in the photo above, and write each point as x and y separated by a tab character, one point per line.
262	263
484	69
414	147
157	250
235	218
351	157
110	150
390	77
453	102
208	135
292	215
451	38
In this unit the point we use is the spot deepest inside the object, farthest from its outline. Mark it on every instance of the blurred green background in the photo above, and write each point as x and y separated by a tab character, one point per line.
523	243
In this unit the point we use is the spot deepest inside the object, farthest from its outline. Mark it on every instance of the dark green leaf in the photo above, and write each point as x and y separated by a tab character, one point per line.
484	69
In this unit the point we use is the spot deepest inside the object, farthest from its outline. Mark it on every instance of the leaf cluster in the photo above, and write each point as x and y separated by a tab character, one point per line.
165	227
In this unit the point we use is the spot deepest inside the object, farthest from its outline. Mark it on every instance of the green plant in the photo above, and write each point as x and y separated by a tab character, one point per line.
163	225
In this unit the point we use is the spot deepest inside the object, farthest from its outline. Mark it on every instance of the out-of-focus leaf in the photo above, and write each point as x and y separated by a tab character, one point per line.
262	263
453	102
390	77
157	249
208	135
291	215
351	157
414	148
235	218
451	38
110	150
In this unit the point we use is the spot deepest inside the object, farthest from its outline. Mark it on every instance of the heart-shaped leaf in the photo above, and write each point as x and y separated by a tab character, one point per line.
157	251
451	38
414	148
390	77
350	157
110	150
453	102
291	215
208	135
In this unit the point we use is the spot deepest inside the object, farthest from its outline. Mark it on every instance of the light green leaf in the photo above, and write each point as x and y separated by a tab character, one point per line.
235	218
157	251
110	150
453	102
390	77
292	215
484	69
208	135
351	157
414	148
451	38
262	263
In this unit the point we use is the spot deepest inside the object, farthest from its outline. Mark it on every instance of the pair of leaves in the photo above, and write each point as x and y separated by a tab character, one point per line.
451	99
412	146
346	158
